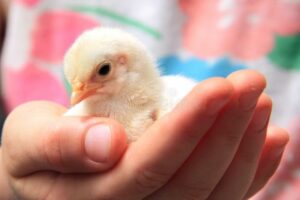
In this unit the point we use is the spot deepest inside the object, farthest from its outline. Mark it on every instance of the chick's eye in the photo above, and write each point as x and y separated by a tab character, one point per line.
104	69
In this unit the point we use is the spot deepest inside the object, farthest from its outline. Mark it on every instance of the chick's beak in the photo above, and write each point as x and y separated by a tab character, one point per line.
80	92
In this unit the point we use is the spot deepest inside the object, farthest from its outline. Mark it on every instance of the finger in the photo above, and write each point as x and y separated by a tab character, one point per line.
205	167
153	159
238	177
37	137
150	161
275	144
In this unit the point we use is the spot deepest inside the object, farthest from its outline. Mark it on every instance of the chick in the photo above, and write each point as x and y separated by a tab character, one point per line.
113	75
174	89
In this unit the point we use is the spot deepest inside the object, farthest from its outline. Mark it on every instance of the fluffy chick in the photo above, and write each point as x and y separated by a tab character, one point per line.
113	75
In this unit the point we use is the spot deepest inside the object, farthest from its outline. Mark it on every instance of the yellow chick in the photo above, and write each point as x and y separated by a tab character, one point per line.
113	75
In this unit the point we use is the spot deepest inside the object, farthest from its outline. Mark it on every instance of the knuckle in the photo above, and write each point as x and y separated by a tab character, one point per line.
51	147
150	180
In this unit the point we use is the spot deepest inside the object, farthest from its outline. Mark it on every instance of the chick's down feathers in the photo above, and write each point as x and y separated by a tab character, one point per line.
113	75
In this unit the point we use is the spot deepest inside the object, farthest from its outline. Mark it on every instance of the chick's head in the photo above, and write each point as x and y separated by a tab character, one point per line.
105	61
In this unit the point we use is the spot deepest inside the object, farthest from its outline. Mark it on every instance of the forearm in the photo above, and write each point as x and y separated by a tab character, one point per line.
5	190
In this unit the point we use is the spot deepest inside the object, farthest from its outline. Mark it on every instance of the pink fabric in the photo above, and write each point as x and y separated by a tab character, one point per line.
29	3
290	192
53	33
63	27
32	83
223	24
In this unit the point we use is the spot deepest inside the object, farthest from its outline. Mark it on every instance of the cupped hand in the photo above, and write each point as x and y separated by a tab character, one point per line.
216	144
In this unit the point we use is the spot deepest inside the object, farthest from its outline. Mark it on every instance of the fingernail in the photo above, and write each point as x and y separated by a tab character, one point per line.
261	119
98	142
248	100
215	106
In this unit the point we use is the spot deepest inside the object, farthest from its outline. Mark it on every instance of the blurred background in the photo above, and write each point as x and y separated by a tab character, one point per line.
195	38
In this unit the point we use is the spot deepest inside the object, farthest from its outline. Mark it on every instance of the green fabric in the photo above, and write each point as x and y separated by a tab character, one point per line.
286	52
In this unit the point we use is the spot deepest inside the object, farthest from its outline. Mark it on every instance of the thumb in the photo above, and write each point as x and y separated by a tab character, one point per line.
37	137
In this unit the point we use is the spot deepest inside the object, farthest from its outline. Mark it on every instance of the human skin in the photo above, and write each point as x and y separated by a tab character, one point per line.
215	143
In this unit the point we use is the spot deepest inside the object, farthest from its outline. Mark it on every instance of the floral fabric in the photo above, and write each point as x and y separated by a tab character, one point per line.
195	38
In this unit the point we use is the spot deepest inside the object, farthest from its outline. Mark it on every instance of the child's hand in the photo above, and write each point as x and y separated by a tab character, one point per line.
204	149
